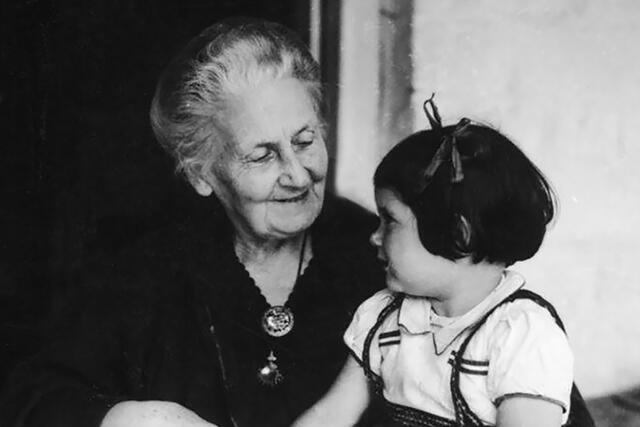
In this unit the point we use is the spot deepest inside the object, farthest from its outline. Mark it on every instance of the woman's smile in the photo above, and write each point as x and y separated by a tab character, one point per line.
293	199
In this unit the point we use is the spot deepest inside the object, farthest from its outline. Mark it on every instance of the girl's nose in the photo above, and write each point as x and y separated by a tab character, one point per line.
376	238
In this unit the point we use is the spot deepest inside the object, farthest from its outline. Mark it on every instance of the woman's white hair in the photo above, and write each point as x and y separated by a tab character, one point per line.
225	59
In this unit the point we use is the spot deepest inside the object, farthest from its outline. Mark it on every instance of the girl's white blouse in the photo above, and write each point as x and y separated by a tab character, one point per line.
519	351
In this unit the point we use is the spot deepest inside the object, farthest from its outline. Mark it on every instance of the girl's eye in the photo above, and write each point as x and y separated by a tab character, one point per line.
387	219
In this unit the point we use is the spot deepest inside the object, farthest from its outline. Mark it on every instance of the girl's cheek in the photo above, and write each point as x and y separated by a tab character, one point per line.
385	243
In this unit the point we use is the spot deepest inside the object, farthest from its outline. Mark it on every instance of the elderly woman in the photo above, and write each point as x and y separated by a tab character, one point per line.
235	317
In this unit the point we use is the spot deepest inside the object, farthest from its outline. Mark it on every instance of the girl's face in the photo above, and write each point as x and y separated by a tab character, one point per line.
410	268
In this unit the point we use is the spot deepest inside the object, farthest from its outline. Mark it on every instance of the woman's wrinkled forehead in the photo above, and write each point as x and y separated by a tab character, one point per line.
272	111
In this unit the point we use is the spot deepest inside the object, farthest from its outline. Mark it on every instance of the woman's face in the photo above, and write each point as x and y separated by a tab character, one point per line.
270	171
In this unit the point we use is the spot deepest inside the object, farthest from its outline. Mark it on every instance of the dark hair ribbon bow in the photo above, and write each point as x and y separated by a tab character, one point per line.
448	148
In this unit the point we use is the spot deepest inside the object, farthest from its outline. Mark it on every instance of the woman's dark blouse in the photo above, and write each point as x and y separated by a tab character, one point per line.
178	319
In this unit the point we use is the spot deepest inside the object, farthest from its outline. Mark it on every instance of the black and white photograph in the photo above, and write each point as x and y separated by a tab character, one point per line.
306	213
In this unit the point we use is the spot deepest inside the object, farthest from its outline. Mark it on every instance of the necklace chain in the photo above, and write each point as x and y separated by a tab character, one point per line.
278	321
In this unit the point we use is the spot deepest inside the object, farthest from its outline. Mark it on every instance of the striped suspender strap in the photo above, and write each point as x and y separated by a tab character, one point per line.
579	415
366	351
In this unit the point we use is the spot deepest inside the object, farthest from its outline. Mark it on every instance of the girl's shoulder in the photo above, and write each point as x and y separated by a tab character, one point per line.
369	310
526	353
519	324
521	313
365	318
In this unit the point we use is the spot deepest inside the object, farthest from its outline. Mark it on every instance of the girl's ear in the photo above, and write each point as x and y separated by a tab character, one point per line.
464	234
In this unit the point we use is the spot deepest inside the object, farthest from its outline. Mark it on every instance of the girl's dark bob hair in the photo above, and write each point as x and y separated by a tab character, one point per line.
497	213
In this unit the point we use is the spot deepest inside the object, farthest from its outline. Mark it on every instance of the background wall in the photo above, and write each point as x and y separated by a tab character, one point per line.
561	78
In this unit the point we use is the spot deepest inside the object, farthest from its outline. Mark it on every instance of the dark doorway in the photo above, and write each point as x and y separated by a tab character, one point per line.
80	170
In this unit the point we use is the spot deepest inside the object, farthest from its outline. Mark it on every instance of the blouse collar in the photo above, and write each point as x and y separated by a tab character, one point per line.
417	317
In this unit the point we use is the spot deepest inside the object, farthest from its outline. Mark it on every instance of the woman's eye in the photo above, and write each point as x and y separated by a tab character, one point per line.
304	139
260	155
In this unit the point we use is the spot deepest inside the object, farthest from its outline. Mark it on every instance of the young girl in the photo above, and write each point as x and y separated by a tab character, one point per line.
454	340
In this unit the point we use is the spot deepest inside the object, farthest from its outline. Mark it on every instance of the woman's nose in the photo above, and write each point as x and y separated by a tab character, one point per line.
294	174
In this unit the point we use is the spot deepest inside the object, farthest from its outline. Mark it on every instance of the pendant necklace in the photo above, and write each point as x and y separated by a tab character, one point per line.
277	321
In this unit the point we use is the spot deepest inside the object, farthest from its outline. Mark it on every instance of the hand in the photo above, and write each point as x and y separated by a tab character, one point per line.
152	413
344	403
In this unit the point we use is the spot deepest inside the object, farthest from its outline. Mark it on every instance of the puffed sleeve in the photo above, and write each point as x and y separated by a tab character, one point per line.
529	356
363	320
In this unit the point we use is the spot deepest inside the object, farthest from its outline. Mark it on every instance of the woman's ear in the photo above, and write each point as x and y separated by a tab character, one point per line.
199	184
202	187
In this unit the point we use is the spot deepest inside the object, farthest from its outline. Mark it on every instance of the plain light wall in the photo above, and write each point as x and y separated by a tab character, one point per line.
358	149
562	79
